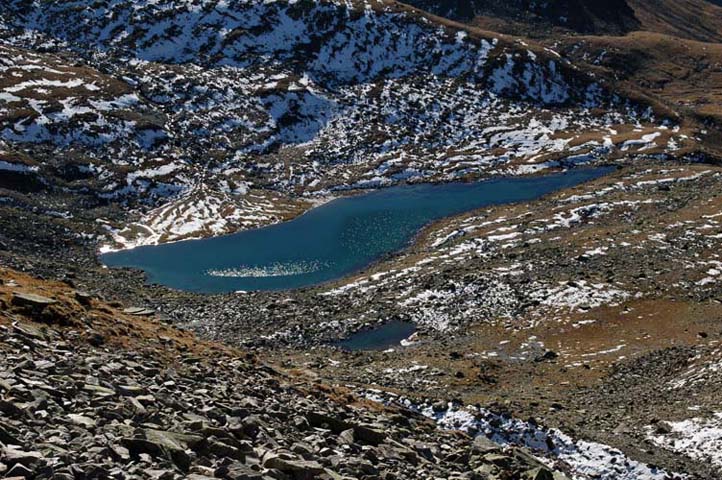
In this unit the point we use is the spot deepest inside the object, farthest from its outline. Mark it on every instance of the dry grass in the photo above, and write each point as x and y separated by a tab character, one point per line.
691	19
97	319
673	63
679	78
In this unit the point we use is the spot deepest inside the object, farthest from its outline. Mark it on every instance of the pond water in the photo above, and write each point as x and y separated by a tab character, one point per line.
386	336
330	241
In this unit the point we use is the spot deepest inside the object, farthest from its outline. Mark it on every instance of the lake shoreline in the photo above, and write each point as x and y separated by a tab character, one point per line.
310	259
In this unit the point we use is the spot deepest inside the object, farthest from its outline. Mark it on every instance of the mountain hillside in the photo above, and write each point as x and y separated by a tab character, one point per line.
683	74
574	334
699	20
669	55
691	19
228	115
130	397
581	16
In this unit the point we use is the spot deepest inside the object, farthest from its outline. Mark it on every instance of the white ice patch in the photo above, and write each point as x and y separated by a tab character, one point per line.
577	295
273	270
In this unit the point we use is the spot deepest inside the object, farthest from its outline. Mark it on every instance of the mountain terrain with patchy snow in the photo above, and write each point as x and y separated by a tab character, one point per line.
229	115
578	333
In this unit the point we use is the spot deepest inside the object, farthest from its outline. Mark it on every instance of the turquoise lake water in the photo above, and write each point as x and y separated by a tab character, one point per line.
331	241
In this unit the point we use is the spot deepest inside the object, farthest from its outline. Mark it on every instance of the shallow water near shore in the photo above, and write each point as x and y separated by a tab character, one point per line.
330	241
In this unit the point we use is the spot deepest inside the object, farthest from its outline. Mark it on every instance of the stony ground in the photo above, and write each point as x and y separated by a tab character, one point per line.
595	310
82	398
604	322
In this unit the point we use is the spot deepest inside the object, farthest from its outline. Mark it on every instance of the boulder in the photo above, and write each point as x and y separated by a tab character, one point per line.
156	474
368	435
238	471
83	298
173	440
525	457
137	407
483	445
12	456
218	449
31	301
298	468
139	311
664	428
171	445
131	390
82	421
325	421
346	437
19	471
98	390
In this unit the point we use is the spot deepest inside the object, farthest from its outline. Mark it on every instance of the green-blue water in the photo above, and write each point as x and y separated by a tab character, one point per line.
330	241
386	336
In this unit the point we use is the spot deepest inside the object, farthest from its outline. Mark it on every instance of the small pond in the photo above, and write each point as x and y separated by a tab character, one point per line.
386	336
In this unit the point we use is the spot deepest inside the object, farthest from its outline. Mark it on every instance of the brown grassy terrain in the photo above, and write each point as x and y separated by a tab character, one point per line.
681	78
93	320
672	60
690	19
684	74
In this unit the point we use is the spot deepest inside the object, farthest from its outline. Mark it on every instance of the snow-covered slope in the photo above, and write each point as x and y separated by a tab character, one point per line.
169	98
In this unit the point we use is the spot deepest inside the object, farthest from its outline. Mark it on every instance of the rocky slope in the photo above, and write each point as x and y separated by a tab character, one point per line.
88	391
578	333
